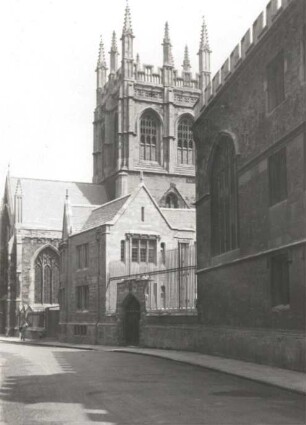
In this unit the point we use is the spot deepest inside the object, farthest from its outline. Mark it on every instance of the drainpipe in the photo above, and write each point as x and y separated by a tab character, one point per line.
98	239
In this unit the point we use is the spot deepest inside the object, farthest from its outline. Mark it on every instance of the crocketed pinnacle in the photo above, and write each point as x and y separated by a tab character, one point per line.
138	60
101	57
171	58
166	35
18	191
127	26
204	43
114	47
186	63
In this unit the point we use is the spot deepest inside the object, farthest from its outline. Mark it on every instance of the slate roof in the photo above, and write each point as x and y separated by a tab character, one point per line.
79	216
180	218
105	213
43	200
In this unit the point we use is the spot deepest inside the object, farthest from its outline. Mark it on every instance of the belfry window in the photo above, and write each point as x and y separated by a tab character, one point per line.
171	201
149	137
224	208
185	145
46	277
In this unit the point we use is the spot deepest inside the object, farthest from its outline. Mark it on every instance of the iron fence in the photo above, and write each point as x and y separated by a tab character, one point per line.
172	284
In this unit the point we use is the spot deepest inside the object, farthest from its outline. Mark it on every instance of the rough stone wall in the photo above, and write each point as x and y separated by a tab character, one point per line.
277	348
234	293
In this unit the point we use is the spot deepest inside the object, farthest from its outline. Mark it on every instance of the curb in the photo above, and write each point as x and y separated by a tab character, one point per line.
218	369
46	344
287	387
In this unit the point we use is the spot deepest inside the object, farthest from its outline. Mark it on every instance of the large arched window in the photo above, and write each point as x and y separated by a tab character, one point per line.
185	145
224	208
149	137
46	277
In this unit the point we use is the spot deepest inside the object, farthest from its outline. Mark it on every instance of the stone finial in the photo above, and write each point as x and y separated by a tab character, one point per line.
171	58
204	42
101	56
186	63
127	25
166	34
18	190
138	60
114	48
141	176
168	57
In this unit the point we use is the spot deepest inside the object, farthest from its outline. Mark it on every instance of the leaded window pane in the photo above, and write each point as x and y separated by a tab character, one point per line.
135	250
143	251
46	277
149	138
224	198
185	144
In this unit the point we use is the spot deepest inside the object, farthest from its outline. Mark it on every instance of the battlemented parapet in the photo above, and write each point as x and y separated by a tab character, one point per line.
241	51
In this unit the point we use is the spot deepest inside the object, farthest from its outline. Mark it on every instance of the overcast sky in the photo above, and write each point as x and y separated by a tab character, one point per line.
48	54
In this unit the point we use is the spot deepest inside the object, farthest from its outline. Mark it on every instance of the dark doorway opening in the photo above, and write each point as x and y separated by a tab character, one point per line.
131	321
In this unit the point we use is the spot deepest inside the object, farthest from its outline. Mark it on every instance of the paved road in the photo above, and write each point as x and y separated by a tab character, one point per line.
45	385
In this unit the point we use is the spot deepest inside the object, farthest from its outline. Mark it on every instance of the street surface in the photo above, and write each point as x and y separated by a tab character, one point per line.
46	385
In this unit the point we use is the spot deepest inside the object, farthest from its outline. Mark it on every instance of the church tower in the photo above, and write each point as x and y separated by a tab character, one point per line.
143	120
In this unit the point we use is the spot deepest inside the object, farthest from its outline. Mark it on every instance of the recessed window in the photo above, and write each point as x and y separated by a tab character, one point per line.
142	214
82	297
185	144
149	137
143	250
224	198
171	201
82	256
276	81
80	330
122	251
163	252
47	277
277	176
280	294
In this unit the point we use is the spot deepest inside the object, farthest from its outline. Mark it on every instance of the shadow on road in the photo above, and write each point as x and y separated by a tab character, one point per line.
117	389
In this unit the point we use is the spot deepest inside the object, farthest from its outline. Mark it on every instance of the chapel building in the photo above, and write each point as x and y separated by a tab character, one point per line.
142	133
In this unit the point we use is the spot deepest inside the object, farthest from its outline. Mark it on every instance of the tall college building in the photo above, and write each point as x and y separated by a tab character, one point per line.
142	136
251	195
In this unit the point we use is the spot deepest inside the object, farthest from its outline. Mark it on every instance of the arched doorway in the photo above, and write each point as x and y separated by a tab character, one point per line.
131	320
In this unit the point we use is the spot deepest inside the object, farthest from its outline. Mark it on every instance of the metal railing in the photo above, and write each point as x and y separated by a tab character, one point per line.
172	284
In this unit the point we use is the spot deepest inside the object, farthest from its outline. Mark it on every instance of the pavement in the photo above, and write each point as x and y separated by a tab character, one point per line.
282	378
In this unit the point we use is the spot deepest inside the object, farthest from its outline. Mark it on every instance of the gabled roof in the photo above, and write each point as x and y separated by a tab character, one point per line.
43	200
180	218
79	216
87	217
105	213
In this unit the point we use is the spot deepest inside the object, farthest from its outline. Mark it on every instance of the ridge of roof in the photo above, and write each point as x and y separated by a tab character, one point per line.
54	180
178	209
86	206
112	201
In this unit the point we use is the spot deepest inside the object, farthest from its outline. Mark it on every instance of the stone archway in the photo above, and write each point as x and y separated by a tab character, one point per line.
131	320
